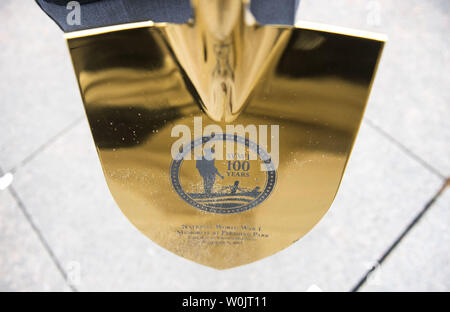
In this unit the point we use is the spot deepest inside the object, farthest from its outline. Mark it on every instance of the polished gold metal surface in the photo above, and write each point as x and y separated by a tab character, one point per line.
140	81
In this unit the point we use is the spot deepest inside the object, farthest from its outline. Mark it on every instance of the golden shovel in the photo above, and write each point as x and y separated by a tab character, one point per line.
222	140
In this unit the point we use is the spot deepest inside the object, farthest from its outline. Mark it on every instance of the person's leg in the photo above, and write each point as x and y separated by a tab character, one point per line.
209	183
205	184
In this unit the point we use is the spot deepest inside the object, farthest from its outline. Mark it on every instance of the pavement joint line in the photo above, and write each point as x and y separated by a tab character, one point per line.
40	236
404	149
41	148
405	232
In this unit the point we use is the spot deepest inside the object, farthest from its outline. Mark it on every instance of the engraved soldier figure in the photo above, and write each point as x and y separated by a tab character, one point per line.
208	170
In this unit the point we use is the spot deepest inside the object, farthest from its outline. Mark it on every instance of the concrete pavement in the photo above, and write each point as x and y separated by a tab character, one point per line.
60	229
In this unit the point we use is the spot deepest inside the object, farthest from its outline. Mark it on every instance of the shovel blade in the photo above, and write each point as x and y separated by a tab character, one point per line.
245	196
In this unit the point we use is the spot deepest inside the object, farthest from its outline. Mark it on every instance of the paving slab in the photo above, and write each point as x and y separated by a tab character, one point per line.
39	94
410	98
24	263
66	194
422	261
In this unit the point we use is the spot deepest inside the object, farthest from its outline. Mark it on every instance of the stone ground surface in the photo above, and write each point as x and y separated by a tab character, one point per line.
50	238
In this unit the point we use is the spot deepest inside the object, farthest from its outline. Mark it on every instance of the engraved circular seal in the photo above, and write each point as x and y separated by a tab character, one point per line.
235	183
